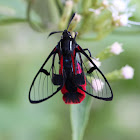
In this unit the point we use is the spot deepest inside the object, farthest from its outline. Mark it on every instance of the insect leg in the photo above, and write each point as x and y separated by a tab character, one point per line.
90	54
88	51
76	33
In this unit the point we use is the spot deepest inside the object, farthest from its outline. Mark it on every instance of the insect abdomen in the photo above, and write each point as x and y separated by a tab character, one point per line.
72	94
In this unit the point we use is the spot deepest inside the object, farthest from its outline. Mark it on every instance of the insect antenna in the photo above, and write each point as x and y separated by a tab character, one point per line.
62	31
71	20
54	33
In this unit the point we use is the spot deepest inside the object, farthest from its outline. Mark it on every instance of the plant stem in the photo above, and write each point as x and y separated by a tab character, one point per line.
134	23
7	21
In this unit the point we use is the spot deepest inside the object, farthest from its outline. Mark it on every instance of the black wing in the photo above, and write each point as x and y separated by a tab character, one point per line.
96	83
47	81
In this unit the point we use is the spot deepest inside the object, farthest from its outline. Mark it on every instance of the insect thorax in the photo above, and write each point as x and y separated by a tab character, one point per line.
67	45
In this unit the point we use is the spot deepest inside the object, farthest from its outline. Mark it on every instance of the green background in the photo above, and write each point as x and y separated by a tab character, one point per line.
22	52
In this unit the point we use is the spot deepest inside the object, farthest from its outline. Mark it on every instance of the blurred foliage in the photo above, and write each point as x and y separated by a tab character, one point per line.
22	51
12	11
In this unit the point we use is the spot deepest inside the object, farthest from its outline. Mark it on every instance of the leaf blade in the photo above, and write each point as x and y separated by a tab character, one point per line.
79	118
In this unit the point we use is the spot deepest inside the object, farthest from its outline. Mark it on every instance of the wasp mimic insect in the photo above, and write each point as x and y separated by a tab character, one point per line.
67	72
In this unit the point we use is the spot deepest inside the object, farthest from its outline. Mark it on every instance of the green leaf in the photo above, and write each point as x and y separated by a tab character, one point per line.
79	118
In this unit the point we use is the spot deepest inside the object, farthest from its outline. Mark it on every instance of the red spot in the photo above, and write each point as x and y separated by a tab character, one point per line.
64	90
78	48
73	63
83	86
61	65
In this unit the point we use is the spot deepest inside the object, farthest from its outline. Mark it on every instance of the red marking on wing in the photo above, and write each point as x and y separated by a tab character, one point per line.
61	65
78	48
73	63
64	90
79	71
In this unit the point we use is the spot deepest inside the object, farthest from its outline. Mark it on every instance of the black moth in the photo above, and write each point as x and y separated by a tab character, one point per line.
69	74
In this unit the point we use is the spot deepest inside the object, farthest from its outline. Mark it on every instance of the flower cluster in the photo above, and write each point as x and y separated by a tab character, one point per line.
114	49
126	72
98	17
120	11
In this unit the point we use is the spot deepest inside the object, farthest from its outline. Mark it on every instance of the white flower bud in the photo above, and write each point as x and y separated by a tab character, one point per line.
127	72
97	84
77	17
115	17
123	19
69	3
116	48
120	5
120	20
96	61
105	3
96	11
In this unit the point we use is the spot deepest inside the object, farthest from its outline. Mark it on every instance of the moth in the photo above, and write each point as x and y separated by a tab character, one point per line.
66	69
